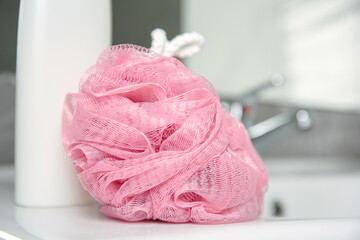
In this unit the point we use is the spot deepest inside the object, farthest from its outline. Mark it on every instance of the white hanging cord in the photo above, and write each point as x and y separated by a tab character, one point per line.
182	46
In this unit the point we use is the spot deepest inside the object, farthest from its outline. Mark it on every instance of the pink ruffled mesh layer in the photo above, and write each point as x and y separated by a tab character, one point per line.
150	140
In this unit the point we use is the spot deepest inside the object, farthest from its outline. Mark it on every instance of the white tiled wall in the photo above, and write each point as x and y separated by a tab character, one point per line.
315	44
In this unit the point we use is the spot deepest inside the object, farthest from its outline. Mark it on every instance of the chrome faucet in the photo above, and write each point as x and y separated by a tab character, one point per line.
245	108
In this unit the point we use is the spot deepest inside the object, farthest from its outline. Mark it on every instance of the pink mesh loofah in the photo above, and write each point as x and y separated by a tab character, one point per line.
150	140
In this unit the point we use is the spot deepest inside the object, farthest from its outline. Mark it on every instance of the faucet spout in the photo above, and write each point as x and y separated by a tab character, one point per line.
300	118
265	133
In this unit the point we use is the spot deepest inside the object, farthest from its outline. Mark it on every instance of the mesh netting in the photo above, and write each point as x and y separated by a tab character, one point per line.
150	140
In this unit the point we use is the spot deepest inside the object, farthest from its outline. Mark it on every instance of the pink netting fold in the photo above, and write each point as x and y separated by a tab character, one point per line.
150	140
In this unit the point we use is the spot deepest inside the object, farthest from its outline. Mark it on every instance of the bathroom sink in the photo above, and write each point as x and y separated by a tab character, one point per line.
313	189
297	206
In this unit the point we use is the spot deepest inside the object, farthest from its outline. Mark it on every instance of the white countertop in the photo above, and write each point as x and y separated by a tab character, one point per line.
86	222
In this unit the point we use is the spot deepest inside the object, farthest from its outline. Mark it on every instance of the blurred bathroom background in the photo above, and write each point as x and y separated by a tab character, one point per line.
314	44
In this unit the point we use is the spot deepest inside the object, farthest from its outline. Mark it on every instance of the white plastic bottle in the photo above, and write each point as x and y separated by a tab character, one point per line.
57	42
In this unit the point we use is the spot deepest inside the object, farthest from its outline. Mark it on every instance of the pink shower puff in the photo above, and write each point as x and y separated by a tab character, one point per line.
150	140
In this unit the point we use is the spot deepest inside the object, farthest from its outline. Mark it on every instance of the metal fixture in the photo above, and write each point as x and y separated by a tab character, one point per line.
245	107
